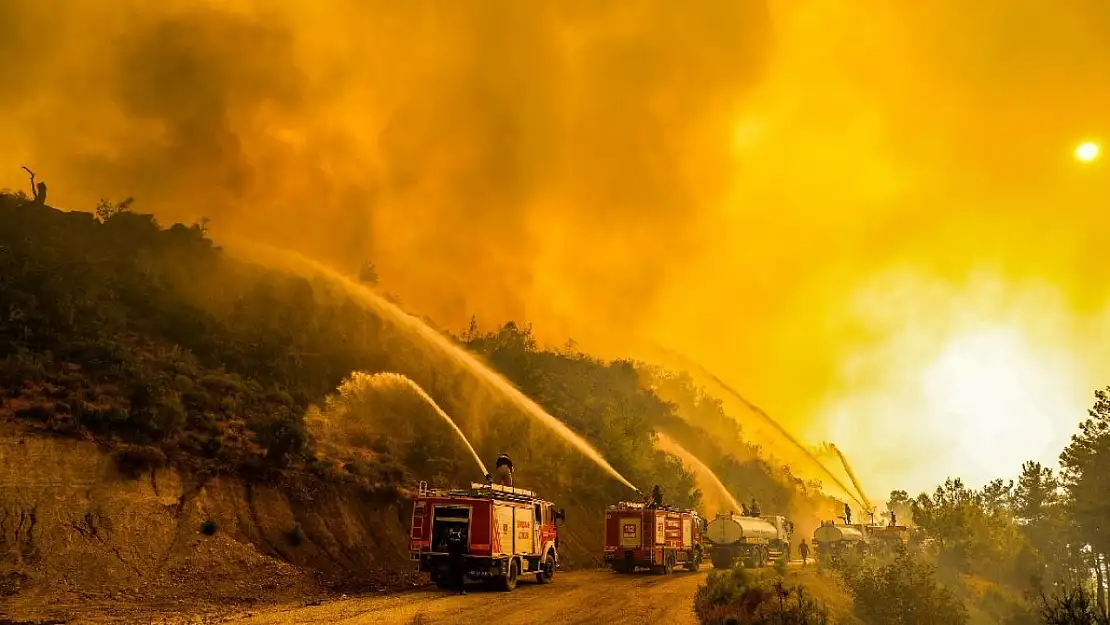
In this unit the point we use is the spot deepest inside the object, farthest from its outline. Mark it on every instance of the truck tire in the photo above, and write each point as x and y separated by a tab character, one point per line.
547	569
507	582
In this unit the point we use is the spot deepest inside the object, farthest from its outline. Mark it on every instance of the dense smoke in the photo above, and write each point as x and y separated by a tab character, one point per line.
779	192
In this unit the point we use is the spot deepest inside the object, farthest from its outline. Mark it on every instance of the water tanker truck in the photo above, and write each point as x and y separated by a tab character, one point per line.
652	536
754	540
833	541
888	539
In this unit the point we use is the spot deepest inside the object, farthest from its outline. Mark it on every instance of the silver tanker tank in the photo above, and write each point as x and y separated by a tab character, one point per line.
836	533
832	541
754	539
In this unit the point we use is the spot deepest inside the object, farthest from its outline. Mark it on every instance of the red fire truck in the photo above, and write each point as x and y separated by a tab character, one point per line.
655	537
507	531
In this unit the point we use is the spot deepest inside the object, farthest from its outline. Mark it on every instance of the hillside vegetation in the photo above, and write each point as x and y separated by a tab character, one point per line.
165	350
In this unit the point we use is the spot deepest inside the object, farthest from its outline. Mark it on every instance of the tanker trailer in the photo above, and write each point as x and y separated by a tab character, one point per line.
889	539
833	541
755	540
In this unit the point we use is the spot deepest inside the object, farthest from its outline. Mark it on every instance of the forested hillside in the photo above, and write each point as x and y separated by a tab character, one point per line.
166	350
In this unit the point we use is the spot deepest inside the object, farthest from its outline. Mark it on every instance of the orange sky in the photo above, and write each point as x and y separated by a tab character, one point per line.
865	215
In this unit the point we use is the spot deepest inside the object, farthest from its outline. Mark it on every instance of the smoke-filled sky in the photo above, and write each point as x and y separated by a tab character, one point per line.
865	215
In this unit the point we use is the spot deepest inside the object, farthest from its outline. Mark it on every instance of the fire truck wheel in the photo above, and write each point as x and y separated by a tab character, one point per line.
547	571
508	581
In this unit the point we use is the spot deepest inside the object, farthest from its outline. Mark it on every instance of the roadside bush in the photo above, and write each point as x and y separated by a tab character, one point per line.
746	597
208	528
904	591
781	566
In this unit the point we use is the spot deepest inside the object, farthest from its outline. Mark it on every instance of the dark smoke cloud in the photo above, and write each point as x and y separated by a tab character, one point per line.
612	170
449	142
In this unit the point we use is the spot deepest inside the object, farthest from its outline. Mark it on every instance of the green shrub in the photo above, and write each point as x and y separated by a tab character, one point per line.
754	597
781	566
902	591
282	435
208	528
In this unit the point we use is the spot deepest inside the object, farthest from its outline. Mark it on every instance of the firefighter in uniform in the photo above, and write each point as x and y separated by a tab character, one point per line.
656	496
804	550
847	514
456	549
504	468
754	507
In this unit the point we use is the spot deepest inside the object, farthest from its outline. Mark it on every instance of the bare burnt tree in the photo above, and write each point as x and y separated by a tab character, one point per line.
38	190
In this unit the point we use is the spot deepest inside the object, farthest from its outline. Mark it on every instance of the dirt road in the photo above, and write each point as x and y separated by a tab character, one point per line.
574	597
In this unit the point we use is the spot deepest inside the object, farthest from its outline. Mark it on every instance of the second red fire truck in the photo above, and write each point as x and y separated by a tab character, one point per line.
652	536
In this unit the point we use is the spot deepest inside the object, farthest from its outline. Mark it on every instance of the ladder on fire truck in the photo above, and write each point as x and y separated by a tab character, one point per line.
486	491
623	506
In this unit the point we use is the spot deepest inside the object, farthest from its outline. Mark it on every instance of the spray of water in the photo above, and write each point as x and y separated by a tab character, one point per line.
769	420
668	444
467	360
396	381
852	476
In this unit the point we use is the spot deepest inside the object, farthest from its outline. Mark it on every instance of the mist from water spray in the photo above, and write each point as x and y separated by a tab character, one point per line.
668	444
396	380
458	354
852	476
769	420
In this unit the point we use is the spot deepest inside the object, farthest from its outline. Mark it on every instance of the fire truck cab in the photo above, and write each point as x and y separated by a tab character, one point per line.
508	532
655	537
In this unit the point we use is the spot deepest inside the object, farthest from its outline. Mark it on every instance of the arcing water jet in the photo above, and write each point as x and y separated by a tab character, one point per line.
852	476
396	380
668	444
770	421
467	360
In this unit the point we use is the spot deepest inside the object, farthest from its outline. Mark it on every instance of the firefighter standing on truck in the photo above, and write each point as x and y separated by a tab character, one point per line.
504	468
456	548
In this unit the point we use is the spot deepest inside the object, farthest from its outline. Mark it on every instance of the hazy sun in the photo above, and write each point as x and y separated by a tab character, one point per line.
994	395
1087	151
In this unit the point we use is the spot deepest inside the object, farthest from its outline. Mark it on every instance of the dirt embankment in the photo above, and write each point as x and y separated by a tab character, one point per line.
74	529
